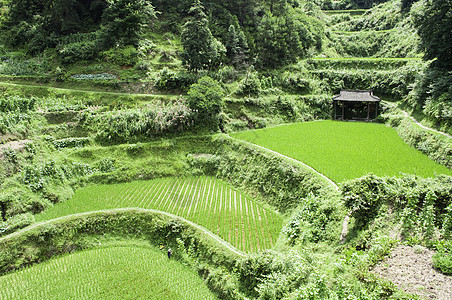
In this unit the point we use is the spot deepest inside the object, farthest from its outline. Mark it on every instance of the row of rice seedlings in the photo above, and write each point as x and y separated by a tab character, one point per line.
106	273
206	201
346	150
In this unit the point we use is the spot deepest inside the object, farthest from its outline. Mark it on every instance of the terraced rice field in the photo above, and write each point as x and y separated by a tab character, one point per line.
206	201
346	150
108	273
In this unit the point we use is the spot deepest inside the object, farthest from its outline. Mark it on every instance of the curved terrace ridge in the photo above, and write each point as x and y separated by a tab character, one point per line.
129	209
331	182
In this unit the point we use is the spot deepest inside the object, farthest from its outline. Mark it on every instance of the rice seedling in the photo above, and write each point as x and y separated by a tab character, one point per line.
207	201
107	273
346	150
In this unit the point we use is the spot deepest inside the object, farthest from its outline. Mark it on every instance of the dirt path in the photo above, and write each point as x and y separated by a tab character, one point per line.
412	271
130	209
407	115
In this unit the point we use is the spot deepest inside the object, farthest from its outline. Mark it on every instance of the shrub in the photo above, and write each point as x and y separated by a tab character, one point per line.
250	85
124	56
157	119
71	143
74	52
15	223
442	260
206	98
169	80
315	221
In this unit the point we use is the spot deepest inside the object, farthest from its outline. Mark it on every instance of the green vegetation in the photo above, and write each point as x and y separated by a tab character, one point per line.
107	273
206	201
345	150
110	121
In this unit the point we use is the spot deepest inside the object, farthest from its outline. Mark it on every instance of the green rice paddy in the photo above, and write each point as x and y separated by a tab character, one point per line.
206	201
346	150
106	273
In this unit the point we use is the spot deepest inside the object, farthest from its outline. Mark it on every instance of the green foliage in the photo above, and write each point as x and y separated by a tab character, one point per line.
71	143
68	234
15	223
200	49
206	98
125	56
41	26
16	201
250	85
272	275
364	197
236	46
16	104
158	119
421	205
442	260
78	46
433	20
316	221
286	35
122	22
169	80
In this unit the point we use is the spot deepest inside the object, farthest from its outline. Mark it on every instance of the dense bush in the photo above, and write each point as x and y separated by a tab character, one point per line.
71	143
121	126
250	85
206	99
421	205
15	223
16	104
272	275
125	56
173	81
442	260
316	220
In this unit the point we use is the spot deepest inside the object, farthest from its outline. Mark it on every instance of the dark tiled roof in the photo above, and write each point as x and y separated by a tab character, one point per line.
363	96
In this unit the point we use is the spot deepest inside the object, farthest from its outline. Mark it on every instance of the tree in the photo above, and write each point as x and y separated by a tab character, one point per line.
200	48
433	20
123	20
236	46
206	97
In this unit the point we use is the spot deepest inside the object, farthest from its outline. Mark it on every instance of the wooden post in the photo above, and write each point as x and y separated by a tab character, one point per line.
368	111
334	109
343	105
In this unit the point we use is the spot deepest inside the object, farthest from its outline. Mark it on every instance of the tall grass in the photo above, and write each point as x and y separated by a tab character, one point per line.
107	273
346	150
206	201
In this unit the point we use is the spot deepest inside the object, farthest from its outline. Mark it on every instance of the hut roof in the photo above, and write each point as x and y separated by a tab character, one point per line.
357	96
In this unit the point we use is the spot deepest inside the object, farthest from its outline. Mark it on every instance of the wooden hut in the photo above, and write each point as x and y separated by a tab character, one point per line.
355	105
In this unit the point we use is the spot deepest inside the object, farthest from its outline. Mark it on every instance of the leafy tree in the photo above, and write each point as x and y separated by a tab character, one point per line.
123	20
285	36
206	97
200	49
433	20
236	46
